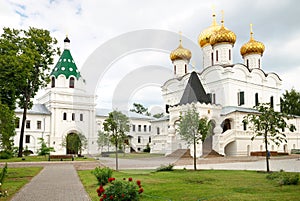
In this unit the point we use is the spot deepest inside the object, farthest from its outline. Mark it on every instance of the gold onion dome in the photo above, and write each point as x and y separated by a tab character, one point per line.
204	36
252	46
180	53
222	35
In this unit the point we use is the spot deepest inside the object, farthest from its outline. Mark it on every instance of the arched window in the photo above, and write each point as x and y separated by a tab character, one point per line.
52	82
212	58
258	63
64	116
217	55
71	82
229	56
185	68
174	69
247	63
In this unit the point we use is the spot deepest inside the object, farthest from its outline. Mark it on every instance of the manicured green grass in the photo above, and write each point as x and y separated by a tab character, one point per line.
187	185
40	158
135	155
16	178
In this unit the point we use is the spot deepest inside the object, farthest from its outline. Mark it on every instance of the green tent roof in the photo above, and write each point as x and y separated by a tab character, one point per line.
66	66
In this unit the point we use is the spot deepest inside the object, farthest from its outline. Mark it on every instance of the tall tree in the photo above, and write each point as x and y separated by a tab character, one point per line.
7	127
117	124
290	102
103	139
140	109
27	55
269	124
192	128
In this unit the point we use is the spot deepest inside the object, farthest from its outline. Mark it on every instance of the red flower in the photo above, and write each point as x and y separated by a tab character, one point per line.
111	179
141	190
100	190
123	195
104	196
138	182
111	197
129	179
101	199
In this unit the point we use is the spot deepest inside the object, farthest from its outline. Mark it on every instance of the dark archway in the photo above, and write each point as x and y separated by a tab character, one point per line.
72	143
226	125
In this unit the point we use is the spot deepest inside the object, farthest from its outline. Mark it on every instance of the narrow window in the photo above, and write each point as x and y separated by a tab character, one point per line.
217	55
149	128
52	82
214	98
212	59
27	123
149	139
73	116
140	128
241	98
17	122
145	128
247	63
27	138
185	68
229	52
272	102
39	125
133	128
72	81
256	99
139	139
157	131
244	126
81	117
64	116
174	69
258	63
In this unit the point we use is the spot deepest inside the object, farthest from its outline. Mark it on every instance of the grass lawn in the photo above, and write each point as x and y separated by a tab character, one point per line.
135	155
187	185
16	178
41	158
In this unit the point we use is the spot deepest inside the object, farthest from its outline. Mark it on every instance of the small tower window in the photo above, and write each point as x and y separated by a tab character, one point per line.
256	99
247	63
52	82
185	68
64	116
73	116
217	55
272	102
71	82
174	69
212	59
229	56
258	63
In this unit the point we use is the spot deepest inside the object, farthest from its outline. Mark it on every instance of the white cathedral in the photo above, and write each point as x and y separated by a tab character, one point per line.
223	91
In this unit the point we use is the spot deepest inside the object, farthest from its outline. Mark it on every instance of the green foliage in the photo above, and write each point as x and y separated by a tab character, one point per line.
165	168
147	149
140	109
158	115
268	124
26	152
6	154
102	174
44	149
25	58
290	102
117	125
3	174
121	190
7	127
192	128
284	178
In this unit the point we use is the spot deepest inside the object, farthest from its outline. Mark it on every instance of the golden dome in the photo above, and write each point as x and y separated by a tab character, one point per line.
252	46
180	53
222	35
204	36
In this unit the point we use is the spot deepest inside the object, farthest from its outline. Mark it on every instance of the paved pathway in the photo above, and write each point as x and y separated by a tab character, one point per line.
54	183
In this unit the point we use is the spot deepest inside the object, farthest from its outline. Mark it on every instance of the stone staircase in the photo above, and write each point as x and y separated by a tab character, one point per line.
212	154
180	153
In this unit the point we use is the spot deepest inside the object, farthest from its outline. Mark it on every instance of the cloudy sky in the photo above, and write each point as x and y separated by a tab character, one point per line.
92	23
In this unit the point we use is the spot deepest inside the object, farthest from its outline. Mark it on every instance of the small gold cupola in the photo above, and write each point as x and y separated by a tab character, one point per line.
252	46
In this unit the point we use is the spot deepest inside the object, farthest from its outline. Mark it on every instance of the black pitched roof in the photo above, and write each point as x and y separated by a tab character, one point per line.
194	91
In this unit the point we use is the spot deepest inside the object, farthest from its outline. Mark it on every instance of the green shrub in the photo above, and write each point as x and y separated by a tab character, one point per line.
6	154
165	168
125	190
147	149
284	178
102	174
2	176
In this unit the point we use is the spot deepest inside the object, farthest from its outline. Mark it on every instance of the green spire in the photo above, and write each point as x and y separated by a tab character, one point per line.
66	65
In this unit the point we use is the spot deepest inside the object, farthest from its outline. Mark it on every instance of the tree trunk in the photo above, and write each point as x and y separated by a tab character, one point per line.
267	152
117	168
20	153
195	159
